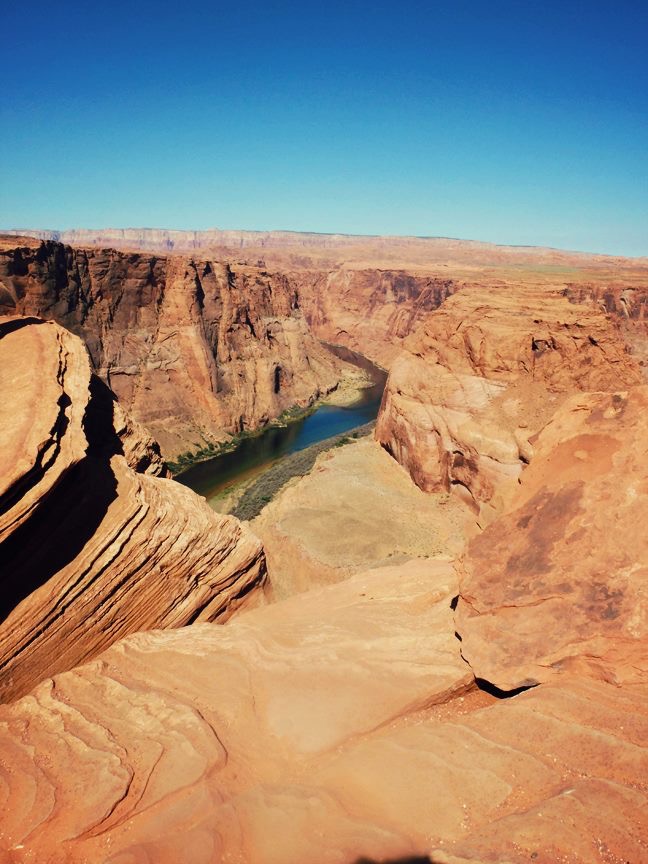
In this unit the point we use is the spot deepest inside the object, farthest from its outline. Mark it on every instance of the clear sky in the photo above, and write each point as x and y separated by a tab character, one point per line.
515	122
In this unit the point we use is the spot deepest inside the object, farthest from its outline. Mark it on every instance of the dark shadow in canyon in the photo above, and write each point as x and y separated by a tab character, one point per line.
68	517
8	327
490	688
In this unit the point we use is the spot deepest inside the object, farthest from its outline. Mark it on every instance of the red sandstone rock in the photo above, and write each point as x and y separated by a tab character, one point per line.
303	248
334	726
370	311
485	372
90	550
559	582
627	301
194	349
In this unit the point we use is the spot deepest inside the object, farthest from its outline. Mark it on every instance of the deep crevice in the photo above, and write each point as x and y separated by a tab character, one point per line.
67	518
488	687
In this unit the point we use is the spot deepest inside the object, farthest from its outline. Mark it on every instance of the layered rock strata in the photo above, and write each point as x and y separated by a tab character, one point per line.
482	375
627	301
90	549
194	349
302	248
370	310
342	724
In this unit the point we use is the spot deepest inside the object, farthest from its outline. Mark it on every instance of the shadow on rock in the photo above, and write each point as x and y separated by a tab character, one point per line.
412	859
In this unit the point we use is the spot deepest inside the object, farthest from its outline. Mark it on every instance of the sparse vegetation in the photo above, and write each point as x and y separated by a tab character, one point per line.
211	450
264	489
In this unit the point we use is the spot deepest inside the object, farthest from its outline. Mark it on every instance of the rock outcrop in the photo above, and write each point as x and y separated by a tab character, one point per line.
357	509
627	301
194	349
483	374
560	581
91	550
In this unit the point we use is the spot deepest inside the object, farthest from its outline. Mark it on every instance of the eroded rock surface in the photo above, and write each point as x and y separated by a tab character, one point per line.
90	550
334	726
350	722
192	347
370	310
483	373
561	581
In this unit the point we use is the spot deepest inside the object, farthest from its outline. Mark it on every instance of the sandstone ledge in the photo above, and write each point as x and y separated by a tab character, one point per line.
90	550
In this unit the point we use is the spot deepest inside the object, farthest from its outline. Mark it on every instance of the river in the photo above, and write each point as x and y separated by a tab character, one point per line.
215	477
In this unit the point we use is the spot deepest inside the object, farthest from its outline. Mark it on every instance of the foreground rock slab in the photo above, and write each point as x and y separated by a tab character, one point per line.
193	736
337	725
91	550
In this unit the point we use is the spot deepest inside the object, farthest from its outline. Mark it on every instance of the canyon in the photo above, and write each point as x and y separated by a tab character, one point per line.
193	349
433	644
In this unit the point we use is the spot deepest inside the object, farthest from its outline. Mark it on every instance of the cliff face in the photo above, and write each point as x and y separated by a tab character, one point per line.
484	373
192	348
91	549
370	311
625	301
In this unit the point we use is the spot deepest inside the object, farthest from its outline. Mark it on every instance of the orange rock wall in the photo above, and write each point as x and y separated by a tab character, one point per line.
484	373
370	310
193	348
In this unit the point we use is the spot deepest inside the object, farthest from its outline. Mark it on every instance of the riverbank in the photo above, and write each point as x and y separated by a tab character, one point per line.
259	492
348	392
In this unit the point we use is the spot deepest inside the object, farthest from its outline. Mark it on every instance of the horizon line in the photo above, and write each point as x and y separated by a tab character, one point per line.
521	246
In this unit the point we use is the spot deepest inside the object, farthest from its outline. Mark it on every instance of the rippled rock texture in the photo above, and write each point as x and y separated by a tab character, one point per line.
92	547
483	374
192	347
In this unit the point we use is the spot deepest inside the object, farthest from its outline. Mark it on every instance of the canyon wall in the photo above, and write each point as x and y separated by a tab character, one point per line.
193	348
93	546
484	373
370	310
626	301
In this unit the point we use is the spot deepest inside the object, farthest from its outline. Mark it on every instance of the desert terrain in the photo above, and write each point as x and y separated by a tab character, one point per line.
431	644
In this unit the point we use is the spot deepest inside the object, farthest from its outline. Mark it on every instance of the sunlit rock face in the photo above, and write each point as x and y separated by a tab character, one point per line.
193	348
370	310
559	582
93	546
479	710
337	725
482	375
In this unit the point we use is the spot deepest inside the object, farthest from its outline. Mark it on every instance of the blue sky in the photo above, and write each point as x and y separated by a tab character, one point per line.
514	122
